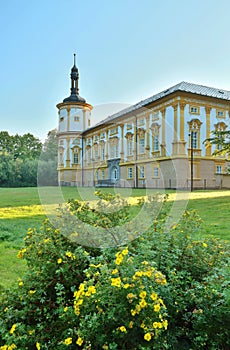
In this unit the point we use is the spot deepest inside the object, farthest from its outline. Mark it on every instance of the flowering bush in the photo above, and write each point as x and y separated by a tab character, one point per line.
164	290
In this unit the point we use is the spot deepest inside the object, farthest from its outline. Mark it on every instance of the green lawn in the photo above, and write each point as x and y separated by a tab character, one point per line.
21	208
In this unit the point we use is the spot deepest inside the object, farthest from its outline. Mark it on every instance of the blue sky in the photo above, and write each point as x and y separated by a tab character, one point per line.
127	50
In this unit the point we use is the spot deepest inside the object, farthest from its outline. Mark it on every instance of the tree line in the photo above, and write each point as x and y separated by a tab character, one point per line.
24	158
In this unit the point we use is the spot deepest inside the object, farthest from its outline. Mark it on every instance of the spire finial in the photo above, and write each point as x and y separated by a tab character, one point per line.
74	59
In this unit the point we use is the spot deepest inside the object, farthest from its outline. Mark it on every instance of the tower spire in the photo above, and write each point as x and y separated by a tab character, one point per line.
74	59
74	76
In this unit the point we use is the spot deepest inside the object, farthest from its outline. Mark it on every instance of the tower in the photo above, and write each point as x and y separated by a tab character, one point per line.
74	118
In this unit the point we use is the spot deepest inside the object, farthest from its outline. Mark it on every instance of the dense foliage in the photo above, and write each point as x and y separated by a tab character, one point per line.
166	289
220	139
22	156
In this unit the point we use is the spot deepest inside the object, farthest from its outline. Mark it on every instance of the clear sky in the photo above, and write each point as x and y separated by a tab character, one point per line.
127	50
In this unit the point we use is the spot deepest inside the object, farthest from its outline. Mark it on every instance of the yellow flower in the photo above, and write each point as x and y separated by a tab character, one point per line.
91	290
133	312
59	261
165	324
131	324
157	308
153	296
114	271
125	252
130	296
142	325
70	255
119	260
13	328
38	346
147	336
126	285
123	329
66	309
145	262
143	303
96	266
148	273
21	253
155	324
12	347
142	294
46	240
31	292
4	347
68	341
205	245
116	282
79	341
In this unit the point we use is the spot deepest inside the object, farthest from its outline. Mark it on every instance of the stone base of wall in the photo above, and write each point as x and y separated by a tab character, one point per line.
173	174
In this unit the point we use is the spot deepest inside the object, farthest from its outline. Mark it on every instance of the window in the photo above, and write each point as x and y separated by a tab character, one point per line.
129	126
156	115
61	119
113	131
142	172
61	158
61	142
96	155
103	175
155	172
194	131
130	173
75	158
97	175
77	119
194	110
103	135
142	145
194	139
115	175
88	156
141	121
114	151
155	144
219	169
88	142
220	114
103	153
88	122
130	147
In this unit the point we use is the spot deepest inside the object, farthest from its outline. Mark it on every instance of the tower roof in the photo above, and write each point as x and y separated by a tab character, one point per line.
74	76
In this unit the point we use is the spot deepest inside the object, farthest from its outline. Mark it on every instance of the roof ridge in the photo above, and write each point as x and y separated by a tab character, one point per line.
193	88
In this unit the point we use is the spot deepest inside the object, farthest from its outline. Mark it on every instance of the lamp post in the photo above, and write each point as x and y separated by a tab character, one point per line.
191	140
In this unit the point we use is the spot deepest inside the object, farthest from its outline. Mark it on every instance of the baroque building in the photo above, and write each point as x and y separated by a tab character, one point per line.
151	144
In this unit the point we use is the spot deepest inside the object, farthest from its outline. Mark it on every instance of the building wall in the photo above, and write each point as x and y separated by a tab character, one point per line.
159	156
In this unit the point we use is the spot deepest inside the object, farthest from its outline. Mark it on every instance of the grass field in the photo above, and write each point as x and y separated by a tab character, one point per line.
21	208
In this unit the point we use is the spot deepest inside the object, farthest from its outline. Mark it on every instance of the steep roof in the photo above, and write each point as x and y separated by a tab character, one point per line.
183	86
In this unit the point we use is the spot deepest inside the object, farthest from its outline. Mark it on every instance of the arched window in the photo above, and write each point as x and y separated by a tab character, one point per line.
194	130
115	174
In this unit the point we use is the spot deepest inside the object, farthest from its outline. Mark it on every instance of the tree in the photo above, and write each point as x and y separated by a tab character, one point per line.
48	162
50	146
26	146
222	140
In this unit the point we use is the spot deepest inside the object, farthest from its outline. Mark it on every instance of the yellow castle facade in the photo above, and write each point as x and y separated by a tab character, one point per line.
154	143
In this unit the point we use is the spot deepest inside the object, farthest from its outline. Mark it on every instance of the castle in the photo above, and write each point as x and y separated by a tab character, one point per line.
154	143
